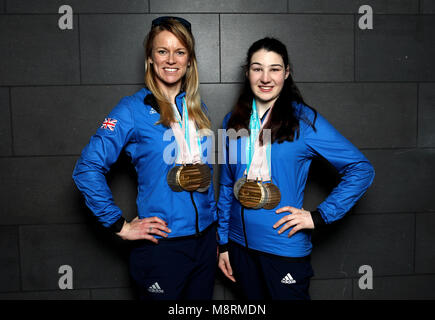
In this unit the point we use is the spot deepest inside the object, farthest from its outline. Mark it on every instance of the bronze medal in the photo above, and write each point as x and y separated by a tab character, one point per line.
252	194
239	183
205	177
273	196
251	191
189	177
256	195
172	179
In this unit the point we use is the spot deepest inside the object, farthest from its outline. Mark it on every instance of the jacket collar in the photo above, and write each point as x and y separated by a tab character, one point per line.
150	100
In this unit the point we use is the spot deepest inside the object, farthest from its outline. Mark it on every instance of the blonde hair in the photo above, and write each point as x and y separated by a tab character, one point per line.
190	81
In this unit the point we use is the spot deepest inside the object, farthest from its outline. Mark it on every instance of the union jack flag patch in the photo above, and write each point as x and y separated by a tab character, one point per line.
109	123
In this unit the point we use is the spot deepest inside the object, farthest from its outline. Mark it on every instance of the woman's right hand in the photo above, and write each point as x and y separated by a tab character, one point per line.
225	266
142	229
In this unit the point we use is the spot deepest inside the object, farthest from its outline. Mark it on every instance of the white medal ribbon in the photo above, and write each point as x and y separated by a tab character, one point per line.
185	131
258	156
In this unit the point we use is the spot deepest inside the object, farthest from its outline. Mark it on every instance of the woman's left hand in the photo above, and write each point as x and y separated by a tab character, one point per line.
298	219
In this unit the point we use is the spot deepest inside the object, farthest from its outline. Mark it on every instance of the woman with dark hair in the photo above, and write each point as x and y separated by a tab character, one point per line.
160	128
264	233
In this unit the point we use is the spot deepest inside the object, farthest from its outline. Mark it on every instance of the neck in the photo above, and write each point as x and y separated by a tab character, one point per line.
171	91
262	107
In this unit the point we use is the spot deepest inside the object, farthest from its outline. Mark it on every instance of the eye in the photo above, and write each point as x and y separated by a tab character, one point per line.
161	51
256	69
275	69
181	53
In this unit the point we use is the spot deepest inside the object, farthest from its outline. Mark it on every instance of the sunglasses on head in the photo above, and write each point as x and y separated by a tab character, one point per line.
161	20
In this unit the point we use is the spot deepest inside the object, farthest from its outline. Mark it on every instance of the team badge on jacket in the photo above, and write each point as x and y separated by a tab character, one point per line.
109	123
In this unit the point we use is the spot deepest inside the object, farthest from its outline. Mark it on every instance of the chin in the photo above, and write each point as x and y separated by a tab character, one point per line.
265	98
171	81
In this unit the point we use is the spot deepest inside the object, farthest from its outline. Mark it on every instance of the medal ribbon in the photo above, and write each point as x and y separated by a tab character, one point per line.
185	131
258	164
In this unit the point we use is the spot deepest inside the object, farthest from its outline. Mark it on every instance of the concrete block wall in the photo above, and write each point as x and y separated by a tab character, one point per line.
376	86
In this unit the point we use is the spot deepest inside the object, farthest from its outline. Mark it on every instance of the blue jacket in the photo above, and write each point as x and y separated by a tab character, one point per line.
131	126
290	165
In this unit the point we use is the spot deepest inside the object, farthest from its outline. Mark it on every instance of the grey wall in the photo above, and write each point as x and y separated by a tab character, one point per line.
376	86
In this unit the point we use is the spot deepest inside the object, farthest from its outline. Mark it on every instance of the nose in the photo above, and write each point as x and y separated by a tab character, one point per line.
171	58
265	77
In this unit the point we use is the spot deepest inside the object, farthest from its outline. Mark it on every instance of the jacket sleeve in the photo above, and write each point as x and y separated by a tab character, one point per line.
357	172
211	196
208	157
96	159
226	195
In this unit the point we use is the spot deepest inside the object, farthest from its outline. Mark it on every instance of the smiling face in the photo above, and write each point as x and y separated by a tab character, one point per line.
266	75
169	60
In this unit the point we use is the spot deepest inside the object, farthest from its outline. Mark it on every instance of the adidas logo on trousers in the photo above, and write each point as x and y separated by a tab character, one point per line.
288	279
155	288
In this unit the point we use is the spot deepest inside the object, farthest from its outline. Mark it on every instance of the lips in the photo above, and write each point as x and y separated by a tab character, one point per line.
170	70
265	88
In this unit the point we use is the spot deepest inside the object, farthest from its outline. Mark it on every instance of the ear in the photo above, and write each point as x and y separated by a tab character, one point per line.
287	72
149	60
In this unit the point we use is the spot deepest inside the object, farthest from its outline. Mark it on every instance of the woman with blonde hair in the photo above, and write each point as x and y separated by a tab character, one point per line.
174	235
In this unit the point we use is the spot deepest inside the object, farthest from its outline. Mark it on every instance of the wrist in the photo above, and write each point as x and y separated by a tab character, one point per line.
118	225
317	219
223	248
124	231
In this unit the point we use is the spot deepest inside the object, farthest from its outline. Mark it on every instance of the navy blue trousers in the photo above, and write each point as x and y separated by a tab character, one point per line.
263	276
176	269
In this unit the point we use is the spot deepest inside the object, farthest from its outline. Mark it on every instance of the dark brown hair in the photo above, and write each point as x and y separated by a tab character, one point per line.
283	121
